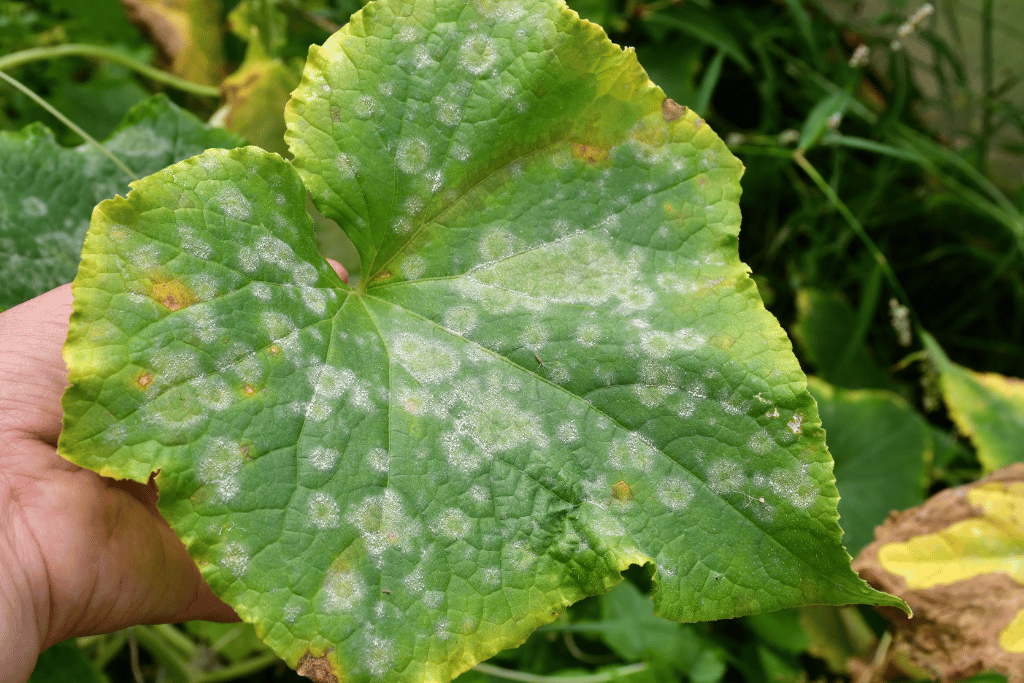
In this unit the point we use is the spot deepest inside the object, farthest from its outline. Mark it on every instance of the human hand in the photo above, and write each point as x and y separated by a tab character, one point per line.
79	553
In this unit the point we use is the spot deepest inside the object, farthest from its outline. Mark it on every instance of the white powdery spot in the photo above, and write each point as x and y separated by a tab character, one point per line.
234	204
192	244
383	523
219	466
478	54
656	343
314	299
460	320
305	274
567	432
479	493
277	325
461	152
173	366
760	442
442	629
448	113
346	165
323	511
496	244
34	207
365	107
277	252
675	494
379	460
796	488
725	476
413	155
414	582
323	458
632	452
588	334
428	360
212	391
433	599
534	337
496	424
204	324
413	266
249	259
343	590
452	524
235	558
461	458
330	382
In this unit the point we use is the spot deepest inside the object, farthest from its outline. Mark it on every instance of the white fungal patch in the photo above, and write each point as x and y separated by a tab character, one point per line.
192	244
479	493
428	360
277	325
342	591
235	558
330	382
452	524
478	54
675	494
725	476
248	259
567	432
496	424
383	523
407	34
323	511
204	324
461	152
413	266
212	392
414	582
314	299
379	460
433	599
346	165
466	460
413	155
520	556
272	250
323	458
219	467
172	366
656	343
365	107
796	488
760	442
496	244
34	207
632	452
460	320
234	204
447	112
534	337
442	629
588	334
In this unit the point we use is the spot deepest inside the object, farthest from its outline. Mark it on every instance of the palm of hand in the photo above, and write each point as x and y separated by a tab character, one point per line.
79	553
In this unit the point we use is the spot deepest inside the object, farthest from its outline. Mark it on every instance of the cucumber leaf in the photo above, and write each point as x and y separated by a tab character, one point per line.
553	366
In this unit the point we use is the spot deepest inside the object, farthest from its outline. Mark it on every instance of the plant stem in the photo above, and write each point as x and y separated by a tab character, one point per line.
603	677
241	669
98	52
174	636
883	262
177	668
67	122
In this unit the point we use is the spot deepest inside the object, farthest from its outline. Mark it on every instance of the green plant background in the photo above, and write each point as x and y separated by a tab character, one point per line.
875	204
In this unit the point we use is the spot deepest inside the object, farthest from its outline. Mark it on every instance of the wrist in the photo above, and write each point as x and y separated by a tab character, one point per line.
21	638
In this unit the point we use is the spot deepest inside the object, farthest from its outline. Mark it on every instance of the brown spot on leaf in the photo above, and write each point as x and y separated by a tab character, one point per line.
671	110
381	276
173	295
144	380
621	492
275	350
589	153
316	668
249	390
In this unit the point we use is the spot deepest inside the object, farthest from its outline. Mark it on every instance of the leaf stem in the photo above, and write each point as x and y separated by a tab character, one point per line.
177	668
241	669
67	122
99	52
602	677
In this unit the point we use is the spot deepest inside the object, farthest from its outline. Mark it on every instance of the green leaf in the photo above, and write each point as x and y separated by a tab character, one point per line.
882	448
64	662
986	406
554	365
48	192
826	330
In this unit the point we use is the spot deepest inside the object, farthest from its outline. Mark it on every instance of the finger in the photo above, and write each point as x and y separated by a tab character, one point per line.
339	269
32	370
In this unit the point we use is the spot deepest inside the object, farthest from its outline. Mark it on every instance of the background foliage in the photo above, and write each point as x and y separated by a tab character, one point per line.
882	197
